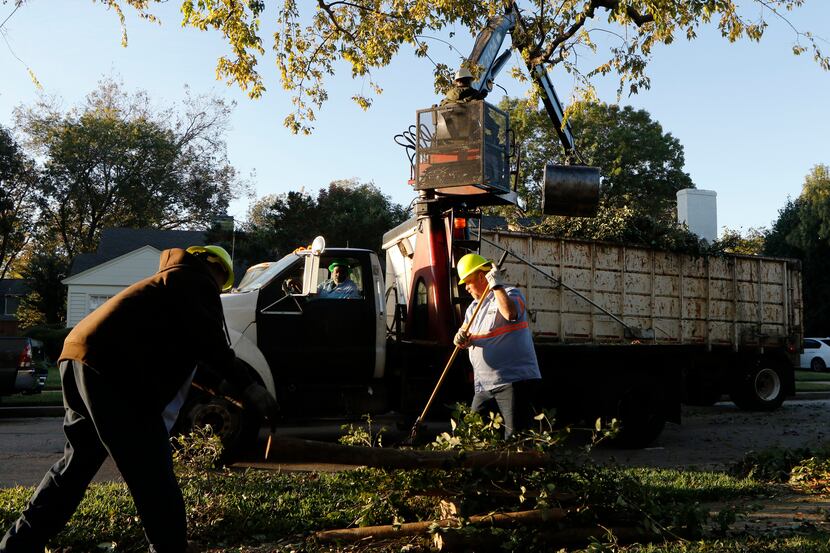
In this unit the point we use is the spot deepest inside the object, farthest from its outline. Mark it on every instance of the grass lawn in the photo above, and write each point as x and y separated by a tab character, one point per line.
257	511
46	397
810	376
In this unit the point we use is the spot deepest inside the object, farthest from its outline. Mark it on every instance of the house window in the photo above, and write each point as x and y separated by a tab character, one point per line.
96	301
12	303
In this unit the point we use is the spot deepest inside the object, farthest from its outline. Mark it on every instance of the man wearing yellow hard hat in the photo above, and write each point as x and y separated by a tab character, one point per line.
500	345
125	370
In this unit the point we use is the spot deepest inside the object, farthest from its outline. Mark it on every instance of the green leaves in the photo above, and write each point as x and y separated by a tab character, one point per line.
312	38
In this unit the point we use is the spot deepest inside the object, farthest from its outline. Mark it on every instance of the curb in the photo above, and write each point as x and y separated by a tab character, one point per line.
32	411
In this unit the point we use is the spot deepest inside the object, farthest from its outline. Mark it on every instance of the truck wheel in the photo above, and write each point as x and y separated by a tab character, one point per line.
237	428
761	389
818	365
641	421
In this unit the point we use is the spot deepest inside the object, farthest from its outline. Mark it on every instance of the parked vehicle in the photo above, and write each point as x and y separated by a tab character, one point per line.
22	365
816	355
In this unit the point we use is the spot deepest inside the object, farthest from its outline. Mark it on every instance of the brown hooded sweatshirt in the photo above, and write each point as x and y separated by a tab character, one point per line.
150	336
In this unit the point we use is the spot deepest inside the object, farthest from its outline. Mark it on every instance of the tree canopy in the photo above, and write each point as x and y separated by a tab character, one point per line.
347	213
802	231
17	201
642	166
115	161
313	38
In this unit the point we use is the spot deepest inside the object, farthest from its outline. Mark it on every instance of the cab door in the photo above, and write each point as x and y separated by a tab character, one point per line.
318	346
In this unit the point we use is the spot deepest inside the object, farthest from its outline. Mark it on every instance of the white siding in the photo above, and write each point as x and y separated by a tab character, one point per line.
107	279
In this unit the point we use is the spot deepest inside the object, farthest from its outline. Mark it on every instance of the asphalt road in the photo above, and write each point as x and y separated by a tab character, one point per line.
710	437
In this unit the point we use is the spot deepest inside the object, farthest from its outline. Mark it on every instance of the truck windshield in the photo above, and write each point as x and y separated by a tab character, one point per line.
265	276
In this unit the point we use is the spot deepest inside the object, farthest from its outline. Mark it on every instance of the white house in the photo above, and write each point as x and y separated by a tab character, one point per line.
124	257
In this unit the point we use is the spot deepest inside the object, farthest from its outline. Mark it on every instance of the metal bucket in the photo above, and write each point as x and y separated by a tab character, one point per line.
571	190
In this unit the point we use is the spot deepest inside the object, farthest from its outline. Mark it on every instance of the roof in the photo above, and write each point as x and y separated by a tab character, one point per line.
14	287
116	242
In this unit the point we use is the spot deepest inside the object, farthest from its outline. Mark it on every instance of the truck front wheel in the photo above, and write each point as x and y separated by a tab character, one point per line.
761	388
238	428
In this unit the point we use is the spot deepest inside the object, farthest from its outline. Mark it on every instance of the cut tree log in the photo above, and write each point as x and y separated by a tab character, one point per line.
287	450
392	531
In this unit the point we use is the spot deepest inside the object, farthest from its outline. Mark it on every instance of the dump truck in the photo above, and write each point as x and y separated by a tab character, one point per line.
623	332
620	332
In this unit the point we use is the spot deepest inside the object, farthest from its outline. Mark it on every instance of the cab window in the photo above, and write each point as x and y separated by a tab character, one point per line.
330	289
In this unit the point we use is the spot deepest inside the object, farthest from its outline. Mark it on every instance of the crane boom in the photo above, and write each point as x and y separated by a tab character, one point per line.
484	55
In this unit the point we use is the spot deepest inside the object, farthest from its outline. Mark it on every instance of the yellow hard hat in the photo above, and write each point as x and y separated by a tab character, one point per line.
216	254
469	264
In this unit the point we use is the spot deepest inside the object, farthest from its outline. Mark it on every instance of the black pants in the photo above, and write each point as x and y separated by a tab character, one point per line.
105	417
517	403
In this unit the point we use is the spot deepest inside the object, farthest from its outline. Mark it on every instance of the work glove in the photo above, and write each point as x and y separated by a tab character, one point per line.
462	338
258	398
495	278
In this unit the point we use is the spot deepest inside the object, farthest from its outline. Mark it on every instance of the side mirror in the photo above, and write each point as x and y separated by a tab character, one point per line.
318	246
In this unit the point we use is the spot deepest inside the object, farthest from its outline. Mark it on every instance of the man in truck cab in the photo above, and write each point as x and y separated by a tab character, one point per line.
125	370
500	345
339	285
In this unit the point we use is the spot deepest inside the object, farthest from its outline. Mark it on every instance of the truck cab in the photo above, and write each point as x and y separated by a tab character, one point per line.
320	355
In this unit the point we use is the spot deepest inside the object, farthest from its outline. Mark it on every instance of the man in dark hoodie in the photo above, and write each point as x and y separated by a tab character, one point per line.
125	370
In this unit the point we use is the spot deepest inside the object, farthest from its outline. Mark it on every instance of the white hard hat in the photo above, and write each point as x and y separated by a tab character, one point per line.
463	73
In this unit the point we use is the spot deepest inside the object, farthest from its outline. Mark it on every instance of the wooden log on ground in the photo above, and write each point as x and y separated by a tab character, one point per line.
390	531
288	450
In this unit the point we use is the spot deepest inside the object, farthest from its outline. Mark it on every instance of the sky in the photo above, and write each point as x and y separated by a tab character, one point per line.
752	117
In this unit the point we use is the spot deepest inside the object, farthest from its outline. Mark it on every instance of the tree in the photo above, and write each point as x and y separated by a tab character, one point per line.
802	231
751	243
115	162
17	201
312	38
45	304
642	166
347	213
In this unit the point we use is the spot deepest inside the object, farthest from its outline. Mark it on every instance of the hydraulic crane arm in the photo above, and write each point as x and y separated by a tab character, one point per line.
485	55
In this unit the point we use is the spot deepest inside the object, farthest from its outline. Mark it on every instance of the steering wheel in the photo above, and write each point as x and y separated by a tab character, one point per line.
291	286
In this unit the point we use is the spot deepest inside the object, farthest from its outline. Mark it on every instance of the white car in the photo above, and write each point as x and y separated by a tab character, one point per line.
816	356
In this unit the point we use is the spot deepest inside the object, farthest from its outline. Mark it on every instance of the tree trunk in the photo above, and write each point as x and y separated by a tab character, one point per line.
413	528
308	451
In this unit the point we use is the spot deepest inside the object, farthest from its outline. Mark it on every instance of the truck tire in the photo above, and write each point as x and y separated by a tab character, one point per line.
761	388
237	428
640	417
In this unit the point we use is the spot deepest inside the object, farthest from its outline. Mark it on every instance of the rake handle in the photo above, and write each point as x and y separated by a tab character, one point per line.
455	351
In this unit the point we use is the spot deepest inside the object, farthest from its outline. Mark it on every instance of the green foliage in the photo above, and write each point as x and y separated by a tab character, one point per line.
642	166
751	243
314	38
116	162
45	304
361	435
200	449
348	213
471	431
802	231
812	474
772	465
17	201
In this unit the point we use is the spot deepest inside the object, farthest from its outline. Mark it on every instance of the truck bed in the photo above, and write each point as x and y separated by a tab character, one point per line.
643	295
